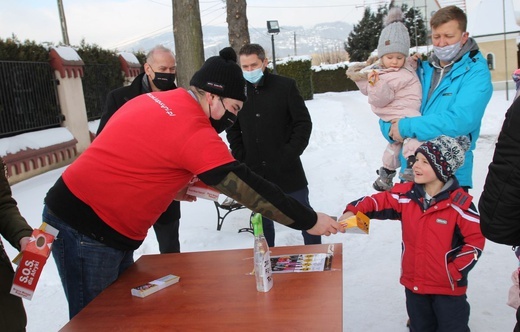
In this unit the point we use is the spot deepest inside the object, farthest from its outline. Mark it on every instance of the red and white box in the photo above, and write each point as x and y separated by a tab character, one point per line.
31	261
198	188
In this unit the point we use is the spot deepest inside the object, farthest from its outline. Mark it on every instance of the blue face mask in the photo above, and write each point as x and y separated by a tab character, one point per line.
253	76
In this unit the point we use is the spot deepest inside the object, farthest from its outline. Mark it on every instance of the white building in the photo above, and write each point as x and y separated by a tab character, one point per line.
495	26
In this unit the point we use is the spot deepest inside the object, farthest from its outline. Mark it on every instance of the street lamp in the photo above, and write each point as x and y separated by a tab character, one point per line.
273	28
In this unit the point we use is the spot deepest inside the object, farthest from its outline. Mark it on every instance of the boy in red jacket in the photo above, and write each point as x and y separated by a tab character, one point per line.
441	235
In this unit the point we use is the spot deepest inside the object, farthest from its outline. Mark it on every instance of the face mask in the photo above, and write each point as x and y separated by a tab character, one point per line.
226	121
447	53
253	76
164	81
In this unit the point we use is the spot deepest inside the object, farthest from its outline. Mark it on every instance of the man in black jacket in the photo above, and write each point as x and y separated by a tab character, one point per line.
499	203
14	228
159	75
272	131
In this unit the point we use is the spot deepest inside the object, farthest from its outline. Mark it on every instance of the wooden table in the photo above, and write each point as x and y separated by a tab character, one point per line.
216	293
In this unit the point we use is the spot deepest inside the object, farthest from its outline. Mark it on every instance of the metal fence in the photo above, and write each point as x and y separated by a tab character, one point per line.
97	82
28	97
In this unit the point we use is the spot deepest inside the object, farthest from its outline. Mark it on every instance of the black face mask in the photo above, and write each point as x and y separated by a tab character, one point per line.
226	121
164	81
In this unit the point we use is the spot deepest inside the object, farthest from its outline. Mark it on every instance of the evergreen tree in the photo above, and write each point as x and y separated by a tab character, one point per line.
141	56
364	37
12	49
101	74
360	42
416	26
379	19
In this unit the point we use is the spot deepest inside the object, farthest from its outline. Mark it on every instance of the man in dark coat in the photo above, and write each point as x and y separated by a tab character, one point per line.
499	203
14	229
159	75
272	131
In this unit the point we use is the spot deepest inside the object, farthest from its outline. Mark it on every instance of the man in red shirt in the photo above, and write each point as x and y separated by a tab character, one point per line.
159	75
106	200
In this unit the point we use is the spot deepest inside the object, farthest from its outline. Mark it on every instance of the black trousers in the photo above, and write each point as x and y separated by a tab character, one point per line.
12	312
437	313
517	326
301	196
167	229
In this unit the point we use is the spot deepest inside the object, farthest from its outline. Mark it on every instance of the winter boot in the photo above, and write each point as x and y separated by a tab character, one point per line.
384	181
407	174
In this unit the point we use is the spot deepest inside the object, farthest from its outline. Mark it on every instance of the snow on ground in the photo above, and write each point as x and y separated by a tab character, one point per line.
340	161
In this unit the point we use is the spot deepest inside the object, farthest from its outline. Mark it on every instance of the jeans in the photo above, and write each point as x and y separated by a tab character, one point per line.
437	313
86	266
301	196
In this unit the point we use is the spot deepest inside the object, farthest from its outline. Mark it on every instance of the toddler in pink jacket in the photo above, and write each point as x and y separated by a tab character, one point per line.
394	91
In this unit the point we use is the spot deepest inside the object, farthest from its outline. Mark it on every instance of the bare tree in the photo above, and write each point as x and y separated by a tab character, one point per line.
237	24
187	32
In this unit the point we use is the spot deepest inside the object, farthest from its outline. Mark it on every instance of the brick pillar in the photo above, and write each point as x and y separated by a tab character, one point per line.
130	66
68	68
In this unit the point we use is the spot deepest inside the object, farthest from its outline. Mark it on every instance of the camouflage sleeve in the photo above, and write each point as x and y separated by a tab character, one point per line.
237	181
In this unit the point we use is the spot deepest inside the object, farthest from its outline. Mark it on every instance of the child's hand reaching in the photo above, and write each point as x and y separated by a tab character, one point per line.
346	215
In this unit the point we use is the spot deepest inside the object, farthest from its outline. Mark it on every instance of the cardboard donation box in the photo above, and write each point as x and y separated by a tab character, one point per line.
31	261
200	189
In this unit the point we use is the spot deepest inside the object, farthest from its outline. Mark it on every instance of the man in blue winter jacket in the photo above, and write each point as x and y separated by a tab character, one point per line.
456	86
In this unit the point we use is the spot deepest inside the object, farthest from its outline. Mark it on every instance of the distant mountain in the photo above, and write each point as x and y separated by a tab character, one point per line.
322	38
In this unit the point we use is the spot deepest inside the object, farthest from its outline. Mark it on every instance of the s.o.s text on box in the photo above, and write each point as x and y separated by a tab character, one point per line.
31	261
